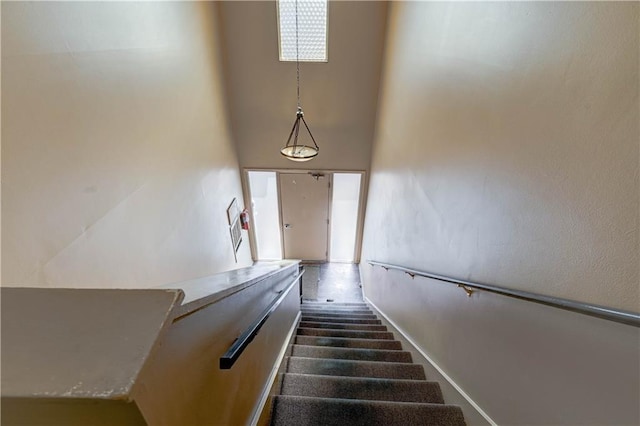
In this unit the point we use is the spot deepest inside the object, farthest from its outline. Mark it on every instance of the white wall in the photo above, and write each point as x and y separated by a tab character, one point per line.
507	152
117	163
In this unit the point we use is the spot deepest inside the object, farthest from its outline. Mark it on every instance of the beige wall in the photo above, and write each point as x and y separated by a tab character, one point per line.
521	363
507	147
339	97
182	384
507	152
117	163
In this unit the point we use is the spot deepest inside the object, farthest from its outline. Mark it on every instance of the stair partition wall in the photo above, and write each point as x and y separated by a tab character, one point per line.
263	198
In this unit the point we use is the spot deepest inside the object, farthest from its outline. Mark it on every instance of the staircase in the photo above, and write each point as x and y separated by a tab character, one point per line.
345	368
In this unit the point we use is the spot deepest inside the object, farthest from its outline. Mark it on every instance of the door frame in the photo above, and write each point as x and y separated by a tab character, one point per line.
364	187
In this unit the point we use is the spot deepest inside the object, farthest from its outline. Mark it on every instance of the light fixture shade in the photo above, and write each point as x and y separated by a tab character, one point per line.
299	152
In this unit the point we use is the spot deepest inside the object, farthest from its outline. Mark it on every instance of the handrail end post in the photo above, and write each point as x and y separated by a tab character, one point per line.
226	363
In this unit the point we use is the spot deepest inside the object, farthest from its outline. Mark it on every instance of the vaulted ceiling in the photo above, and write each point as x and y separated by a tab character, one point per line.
339	97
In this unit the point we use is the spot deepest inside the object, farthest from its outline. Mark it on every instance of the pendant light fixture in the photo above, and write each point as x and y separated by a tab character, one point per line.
293	150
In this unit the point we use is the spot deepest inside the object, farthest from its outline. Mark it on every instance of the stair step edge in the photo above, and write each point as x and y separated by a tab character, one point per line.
366	388
295	410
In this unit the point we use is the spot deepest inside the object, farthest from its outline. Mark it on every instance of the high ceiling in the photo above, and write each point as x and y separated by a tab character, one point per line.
339	97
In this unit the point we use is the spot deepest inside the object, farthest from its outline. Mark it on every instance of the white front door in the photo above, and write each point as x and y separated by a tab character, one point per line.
305	215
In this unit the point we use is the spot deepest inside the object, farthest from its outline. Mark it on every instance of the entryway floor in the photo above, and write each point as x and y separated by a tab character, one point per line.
334	282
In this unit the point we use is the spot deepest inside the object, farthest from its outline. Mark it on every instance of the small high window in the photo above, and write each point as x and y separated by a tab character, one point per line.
312	30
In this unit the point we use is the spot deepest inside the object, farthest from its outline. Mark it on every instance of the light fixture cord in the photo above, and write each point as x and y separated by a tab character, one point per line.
297	57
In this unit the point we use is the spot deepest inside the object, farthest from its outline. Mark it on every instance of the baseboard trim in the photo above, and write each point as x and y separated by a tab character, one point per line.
433	363
274	373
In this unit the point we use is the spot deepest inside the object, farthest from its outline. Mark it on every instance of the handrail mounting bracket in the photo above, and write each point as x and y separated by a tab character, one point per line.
466	290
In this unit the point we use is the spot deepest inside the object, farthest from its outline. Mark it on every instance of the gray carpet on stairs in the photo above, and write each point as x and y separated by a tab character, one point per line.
356	334
351	368
351	353
339	309
343	342
364	388
345	368
334	314
340	320
339	325
301	410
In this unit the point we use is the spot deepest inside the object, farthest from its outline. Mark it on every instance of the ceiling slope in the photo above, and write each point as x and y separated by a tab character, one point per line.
339	97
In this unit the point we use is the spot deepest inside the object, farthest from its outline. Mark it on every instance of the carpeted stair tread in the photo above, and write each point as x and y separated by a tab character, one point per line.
301	410
318	313
364	388
318	303
342	342
334	305
334	309
342	307
337	308
340	367
356	334
344	326
351	353
340	320
337	312
345	368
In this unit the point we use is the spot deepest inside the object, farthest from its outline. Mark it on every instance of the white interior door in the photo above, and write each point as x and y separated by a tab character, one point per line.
305	215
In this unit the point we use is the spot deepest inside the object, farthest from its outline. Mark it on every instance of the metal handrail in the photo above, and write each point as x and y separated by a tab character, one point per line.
603	312
240	344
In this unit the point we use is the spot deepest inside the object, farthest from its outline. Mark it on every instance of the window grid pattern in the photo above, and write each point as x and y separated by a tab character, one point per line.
312	30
